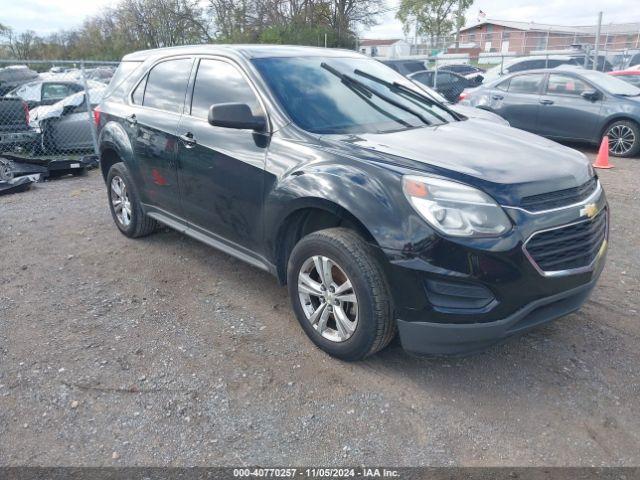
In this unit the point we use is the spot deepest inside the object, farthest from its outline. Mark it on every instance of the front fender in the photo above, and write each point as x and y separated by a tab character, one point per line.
370	193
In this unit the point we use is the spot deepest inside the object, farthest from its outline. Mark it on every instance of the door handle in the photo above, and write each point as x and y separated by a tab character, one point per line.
188	139
497	97
131	119
546	102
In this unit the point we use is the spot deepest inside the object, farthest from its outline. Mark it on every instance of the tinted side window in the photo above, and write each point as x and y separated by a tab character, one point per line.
423	77
526	83
167	84
220	82
518	67
566	85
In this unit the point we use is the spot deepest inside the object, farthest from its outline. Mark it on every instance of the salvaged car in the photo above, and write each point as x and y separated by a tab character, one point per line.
66	125
382	209
50	91
567	104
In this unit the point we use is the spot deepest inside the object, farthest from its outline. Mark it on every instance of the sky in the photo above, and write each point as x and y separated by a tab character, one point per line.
46	16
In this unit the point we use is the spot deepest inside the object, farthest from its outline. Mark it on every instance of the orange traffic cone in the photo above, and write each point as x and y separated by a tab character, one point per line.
602	160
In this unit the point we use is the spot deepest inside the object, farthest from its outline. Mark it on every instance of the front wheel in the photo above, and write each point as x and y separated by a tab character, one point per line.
340	294
624	138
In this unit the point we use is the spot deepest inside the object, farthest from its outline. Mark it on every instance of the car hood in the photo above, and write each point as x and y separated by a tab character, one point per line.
506	162
472	112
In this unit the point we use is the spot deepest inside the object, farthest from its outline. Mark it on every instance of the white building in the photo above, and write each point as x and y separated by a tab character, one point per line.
391	48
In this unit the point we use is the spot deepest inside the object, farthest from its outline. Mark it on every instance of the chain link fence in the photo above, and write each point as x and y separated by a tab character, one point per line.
450	64
46	108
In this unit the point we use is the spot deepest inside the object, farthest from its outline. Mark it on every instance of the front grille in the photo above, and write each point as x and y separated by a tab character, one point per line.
559	198
570	247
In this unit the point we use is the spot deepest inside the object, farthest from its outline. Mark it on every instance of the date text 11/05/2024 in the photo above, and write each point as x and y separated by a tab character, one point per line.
363	472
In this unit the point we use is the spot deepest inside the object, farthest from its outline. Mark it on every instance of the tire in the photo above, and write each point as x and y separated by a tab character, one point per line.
371	325
630	131
138	224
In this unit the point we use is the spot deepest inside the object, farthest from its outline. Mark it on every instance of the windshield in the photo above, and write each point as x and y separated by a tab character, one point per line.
348	95
611	84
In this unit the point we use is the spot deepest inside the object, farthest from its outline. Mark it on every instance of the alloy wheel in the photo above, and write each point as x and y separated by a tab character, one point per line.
120	201
621	139
328	298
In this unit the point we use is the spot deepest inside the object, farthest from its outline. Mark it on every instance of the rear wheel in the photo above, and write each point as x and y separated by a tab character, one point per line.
624	138
124	203
340	294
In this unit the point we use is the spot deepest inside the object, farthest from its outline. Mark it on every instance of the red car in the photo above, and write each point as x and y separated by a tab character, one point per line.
631	76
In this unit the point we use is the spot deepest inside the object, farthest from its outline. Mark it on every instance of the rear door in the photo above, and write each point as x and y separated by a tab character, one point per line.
564	113
221	169
517	100
158	100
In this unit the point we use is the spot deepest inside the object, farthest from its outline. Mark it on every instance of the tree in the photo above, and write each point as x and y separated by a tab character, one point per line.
432	18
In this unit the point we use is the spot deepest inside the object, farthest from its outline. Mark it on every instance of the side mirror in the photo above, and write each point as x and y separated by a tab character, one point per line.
235	115
478	79
591	95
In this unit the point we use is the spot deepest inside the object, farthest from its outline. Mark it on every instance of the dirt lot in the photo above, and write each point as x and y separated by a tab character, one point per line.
163	351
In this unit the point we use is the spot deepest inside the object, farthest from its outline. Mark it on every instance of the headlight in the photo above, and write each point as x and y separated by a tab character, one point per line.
454	208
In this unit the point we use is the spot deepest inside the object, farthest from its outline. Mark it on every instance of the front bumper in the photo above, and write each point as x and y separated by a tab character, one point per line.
457	297
426	338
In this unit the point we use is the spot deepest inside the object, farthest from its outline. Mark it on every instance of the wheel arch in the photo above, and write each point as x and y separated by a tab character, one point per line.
312	214
616	118
115	146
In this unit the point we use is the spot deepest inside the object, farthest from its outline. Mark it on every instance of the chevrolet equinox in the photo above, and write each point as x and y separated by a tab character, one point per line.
383	210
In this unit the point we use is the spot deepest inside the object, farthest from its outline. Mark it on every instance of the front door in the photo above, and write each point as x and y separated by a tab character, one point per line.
565	113
153	125
221	169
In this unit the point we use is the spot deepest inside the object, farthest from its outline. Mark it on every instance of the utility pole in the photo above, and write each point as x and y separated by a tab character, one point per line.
325	40
415	36
595	50
458	26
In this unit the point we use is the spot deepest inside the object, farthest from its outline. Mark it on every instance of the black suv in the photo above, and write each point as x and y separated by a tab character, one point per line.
381	209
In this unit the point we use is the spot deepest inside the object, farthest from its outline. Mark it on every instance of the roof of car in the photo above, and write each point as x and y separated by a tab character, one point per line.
247	51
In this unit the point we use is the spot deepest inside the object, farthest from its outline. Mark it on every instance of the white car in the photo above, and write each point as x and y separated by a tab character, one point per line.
513	65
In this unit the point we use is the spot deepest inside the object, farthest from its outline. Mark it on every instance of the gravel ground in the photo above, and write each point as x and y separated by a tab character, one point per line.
162	351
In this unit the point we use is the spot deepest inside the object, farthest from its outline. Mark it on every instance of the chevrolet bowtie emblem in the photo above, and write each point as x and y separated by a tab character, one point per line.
589	210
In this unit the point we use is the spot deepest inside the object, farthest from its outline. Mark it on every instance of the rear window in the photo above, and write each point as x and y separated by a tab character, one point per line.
526	83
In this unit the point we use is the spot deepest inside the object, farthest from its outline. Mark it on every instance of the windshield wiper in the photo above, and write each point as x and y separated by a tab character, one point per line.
409	91
354	81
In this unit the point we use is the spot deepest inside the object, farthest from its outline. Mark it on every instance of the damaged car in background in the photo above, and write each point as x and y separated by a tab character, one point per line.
66	125
49	91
